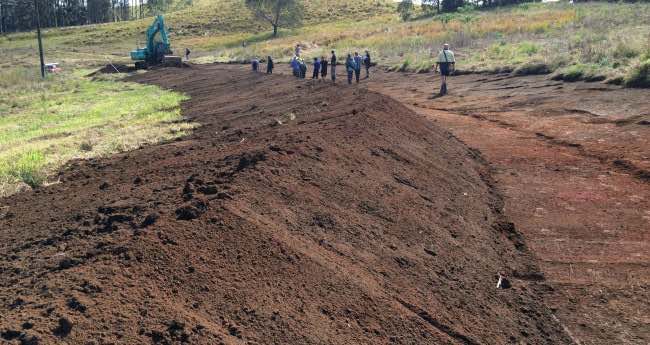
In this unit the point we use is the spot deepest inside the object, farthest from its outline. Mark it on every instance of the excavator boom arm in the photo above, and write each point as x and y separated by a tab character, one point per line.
158	26
155	50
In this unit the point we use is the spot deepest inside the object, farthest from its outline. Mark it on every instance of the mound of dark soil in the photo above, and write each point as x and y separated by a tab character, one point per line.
299	213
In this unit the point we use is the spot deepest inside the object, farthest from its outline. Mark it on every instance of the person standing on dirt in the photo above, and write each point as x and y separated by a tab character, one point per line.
187	54
255	64
447	63
316	72
333	64
295	66
303	68
357	66
323	67
366	63
350	67
269	65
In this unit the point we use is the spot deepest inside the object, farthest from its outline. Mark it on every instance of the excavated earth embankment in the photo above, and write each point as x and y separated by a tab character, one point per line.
298	213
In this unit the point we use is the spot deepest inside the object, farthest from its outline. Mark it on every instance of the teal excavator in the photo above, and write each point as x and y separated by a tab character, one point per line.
158	50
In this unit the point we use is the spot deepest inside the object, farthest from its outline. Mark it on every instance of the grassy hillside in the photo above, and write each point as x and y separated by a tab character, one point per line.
209	20
593	41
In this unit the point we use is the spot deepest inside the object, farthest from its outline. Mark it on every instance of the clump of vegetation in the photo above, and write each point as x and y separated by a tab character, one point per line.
577	72
533	68
28	168
639	76
45	123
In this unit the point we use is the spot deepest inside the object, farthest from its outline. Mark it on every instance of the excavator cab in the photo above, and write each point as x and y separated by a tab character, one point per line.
158	50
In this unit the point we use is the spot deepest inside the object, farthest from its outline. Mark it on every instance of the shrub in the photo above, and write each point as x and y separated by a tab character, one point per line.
533	68
617	80
29	168
528	48
445	18
586	72
624	51
404	67
571	74
86	146
639	76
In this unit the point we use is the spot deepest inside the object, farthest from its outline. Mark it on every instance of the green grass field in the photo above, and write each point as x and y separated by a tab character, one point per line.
47	123
43	124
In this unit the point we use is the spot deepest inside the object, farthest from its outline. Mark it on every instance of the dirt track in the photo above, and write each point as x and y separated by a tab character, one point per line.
297	214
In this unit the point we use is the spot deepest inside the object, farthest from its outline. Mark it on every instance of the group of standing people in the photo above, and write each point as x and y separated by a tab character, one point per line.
353	64
322	66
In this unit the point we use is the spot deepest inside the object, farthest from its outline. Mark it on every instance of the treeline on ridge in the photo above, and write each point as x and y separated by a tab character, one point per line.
18	15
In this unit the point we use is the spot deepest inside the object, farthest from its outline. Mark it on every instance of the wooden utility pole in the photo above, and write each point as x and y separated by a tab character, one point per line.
40	42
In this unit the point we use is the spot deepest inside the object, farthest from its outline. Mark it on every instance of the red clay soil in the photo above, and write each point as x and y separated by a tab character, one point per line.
298	213
572	161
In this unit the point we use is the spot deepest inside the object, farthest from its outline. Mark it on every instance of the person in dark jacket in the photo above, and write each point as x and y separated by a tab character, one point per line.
269	65
255	63
357	66
323	67
350	67
333	64
303	68
366	63
316	69
187	54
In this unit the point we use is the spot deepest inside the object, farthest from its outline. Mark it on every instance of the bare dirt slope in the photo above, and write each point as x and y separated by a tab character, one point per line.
573	162
297	214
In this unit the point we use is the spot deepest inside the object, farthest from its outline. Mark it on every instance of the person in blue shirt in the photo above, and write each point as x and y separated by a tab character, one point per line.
350	67
316	69
357	65
256	64
295	66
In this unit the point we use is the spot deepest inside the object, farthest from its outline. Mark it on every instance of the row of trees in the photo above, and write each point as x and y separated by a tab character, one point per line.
18	15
